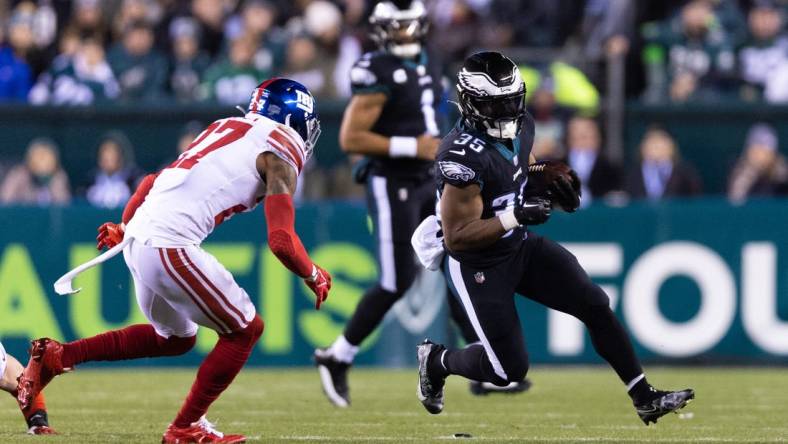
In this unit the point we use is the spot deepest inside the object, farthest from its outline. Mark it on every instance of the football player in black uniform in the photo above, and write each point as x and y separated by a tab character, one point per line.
485	208
392	121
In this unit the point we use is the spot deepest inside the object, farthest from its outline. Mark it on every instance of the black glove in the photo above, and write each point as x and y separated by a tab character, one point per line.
566	193
534	211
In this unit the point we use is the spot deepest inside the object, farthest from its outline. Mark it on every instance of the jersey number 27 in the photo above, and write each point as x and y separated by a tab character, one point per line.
217	135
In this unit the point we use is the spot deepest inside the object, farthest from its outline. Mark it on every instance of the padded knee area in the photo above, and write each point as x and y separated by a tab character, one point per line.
517	372
247	336
257	326
595	307
406	275
596	315
515	368
175	345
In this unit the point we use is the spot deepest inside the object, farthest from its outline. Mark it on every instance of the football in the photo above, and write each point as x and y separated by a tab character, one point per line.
543	173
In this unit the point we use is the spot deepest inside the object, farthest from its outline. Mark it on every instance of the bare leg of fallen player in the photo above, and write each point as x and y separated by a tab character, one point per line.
36	415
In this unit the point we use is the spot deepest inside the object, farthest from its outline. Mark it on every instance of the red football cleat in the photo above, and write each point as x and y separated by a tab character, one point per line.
41	430
200	432
44	364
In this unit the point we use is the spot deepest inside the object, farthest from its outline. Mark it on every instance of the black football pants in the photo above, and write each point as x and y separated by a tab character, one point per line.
396	205
544	271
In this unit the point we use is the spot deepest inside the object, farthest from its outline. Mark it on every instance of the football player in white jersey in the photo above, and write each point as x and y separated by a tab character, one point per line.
36	413
234	164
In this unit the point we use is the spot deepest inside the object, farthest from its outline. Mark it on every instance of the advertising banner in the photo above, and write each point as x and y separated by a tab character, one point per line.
697	281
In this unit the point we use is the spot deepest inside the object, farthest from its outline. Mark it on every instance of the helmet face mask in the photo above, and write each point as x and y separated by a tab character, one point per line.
399	31
313	133
500	117
492	95
289	103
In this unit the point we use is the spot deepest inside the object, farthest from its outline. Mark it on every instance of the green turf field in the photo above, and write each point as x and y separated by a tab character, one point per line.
565	405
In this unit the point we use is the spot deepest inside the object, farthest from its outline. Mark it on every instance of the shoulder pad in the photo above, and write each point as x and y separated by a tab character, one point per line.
459	159
371	73
287	145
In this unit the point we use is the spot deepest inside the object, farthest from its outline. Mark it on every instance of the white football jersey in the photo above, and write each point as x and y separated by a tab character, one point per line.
214	179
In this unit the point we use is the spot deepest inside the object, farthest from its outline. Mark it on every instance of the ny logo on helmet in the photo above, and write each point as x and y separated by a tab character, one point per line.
305	101
258	101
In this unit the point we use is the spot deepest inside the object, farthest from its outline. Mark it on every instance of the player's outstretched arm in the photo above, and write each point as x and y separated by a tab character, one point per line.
110	233
463	227
283	241
138	197
356	135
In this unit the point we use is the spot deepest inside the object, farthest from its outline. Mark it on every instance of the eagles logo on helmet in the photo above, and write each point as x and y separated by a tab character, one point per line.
492	95
399	26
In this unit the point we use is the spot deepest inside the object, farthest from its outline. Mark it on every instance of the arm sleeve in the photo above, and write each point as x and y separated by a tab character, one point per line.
138	197
282	238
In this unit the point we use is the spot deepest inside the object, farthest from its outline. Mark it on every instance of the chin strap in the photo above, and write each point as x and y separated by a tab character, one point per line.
405	50
503	130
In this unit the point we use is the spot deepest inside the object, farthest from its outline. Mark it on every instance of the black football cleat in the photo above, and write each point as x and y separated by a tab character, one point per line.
663	403
430	388
484	388
333	377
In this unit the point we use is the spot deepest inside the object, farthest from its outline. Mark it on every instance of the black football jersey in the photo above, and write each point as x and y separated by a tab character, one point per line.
414	92
467	157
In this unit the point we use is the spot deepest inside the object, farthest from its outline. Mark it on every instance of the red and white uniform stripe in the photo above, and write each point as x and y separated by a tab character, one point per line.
216	178
179	285
180	288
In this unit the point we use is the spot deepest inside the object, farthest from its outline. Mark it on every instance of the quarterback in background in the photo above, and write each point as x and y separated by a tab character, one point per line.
491	190
36	413
234	164
391	121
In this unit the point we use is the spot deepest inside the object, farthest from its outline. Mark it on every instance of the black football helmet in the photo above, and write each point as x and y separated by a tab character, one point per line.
399	26
492	94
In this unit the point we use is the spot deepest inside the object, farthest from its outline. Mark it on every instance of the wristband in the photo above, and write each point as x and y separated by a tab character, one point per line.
508	220
403	146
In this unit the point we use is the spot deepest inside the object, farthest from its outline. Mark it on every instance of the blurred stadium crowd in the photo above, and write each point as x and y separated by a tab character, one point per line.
83	52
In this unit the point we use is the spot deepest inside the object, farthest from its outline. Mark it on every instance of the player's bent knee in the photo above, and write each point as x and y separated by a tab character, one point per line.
248	335
387	297
257	326
595	315
516	371
405	279
598	297
512	371
176	345
595	303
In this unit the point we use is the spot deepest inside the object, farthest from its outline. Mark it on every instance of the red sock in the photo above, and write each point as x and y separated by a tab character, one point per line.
135	341
37	405
218	370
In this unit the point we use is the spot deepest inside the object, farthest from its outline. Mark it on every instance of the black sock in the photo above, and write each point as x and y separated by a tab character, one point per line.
375	303
38	418
642	392
435	365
